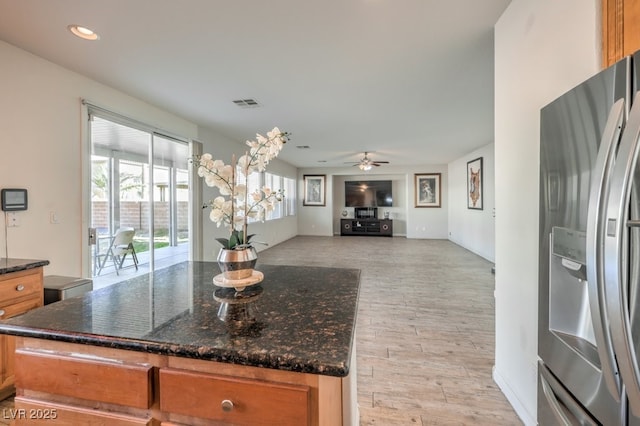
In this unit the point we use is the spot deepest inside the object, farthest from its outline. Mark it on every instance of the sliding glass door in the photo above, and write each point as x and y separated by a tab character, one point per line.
139	182
170	196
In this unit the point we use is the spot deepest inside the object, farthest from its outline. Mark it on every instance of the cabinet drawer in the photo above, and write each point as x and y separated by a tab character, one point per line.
95	380
9	311
32	411
20	287
232	400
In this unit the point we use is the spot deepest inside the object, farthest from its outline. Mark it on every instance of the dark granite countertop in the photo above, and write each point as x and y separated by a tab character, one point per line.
8	265
297	319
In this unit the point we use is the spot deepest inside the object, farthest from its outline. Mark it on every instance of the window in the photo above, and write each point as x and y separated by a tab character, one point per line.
275	183
253	184
289	196
287	207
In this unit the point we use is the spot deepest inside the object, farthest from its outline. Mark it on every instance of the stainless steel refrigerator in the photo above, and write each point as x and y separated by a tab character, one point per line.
589	255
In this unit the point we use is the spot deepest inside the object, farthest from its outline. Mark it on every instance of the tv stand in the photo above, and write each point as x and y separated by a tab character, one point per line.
371	227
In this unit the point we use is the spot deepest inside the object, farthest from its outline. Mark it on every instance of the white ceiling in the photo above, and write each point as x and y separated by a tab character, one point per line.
409	80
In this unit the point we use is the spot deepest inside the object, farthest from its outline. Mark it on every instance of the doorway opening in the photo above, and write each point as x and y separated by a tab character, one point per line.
139	181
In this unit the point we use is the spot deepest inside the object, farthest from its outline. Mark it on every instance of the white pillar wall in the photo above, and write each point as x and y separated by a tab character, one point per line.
542	49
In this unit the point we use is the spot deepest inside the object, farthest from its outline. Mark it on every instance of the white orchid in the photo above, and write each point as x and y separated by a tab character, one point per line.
235	211
256	196
216	216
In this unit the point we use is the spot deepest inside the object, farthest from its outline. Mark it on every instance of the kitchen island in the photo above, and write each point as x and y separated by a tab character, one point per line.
11	265
171	348
21	289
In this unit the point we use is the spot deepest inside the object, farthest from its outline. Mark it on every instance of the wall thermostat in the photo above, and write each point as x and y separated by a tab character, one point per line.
14	199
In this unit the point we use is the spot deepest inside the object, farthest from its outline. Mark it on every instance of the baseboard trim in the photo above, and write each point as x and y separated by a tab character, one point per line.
511	396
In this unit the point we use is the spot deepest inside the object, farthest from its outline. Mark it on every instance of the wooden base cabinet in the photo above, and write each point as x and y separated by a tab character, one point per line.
33	411
233	400
81	384
19	292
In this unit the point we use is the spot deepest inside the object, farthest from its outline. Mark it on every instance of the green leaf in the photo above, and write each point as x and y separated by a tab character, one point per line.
233	240
224	242
236	241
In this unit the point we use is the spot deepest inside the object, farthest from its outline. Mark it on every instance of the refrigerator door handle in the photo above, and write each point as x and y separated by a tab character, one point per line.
595	238
616	257
561	401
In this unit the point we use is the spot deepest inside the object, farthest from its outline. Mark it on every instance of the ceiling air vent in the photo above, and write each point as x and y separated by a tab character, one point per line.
246	103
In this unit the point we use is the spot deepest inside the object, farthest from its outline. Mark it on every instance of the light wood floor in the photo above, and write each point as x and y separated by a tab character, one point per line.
425	328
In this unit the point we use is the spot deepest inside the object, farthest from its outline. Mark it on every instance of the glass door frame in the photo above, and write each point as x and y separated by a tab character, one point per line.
194	220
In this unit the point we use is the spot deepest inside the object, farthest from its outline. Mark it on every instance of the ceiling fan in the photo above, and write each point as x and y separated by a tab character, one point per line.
366	163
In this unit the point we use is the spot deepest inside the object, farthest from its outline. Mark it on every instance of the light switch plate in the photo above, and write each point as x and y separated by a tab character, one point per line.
12	219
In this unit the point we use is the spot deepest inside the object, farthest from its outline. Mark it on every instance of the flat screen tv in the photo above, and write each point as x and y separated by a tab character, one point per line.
368	193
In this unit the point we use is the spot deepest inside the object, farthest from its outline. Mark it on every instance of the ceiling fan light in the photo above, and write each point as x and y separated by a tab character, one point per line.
366	164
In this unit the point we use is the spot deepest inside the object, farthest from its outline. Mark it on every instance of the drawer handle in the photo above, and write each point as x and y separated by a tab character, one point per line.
19	287
2	312
227	405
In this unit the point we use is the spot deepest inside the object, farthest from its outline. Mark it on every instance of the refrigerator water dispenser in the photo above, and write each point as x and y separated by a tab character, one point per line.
569	309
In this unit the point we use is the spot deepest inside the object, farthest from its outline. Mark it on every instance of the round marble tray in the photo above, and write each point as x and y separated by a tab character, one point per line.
241	284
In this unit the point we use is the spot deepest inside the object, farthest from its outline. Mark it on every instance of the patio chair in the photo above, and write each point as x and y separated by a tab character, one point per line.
120	247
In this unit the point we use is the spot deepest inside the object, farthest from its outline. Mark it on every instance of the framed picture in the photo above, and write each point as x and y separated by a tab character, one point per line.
474	184
314	190
427	186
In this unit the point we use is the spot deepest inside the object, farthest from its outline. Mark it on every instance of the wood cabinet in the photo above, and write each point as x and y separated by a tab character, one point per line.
82	384
233	400
19	292
34	411
106	380
620	29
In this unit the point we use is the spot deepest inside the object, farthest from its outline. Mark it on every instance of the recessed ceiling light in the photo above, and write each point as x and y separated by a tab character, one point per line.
83	32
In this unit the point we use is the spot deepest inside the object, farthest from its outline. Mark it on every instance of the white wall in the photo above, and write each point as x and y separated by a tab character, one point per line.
42	149
470	228
428	222
315	220
542	49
